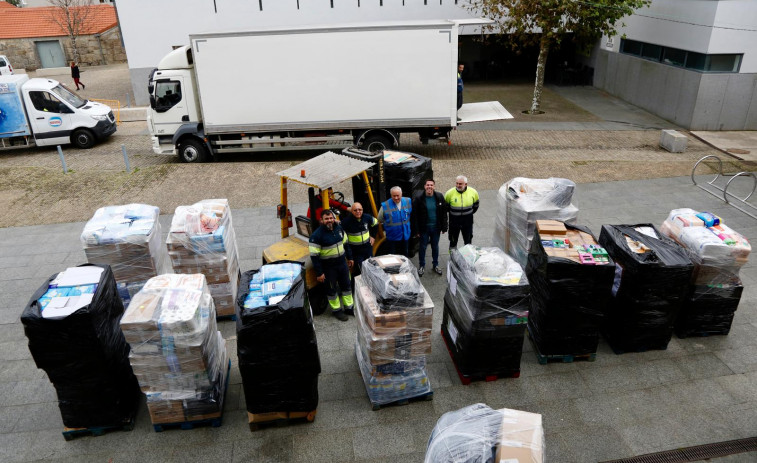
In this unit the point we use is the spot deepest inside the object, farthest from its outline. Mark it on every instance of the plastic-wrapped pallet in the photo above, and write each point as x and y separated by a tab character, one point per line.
394	281
652	276
177	352
392	346
83	352
408	171
202	240
128	239
276	341
523	201
571	284
479	434
485	312
718	253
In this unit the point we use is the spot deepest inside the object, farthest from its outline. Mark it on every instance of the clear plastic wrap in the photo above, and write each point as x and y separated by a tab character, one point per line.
128	239
479	434
276	341
394	281
85	356
569	293
408	171
486	308
391	347
652	275
177	352
523	201
718	253
202	240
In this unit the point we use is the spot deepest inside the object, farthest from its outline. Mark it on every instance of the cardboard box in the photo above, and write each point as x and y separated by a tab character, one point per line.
521	439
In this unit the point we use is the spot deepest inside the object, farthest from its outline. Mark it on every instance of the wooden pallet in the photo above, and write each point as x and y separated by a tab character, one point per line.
259	421
419	398
467	379
564	358
73	433
232	317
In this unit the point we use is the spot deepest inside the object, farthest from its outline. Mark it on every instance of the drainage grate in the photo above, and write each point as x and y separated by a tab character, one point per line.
696	453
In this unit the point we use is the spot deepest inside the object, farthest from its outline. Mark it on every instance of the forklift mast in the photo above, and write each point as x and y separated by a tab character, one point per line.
375	177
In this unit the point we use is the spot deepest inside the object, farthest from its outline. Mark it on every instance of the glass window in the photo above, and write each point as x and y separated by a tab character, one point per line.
167	95
69	96
652	52
674	57
695	61
722	63
2	63
44	101
631	47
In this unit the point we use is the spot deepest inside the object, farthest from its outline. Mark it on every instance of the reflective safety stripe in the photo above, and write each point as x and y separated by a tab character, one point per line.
332	252
315	249
359	238
460	210
334	302
347	300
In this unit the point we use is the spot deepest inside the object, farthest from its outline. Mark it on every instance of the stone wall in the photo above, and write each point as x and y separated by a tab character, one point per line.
93	51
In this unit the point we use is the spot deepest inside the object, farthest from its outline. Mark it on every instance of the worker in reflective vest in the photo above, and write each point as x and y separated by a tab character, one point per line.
395	214
462	203
361	232
328	252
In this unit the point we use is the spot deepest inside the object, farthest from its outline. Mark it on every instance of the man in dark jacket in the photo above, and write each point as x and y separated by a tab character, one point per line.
328	252
361	232
429	221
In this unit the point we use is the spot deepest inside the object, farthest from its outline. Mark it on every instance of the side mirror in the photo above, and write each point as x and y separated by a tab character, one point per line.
152	101
150	88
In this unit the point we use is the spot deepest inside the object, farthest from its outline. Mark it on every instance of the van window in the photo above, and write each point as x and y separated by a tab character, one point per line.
65	93
2	63
167	95
44	101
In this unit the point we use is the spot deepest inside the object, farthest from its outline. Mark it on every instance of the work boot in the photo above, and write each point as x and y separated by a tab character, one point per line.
438	270
420	271
340	315
350	311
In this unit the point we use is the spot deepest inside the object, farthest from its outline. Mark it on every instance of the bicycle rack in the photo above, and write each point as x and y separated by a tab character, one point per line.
724	190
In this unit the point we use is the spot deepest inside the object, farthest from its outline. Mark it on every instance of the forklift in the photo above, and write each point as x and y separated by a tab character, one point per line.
322	173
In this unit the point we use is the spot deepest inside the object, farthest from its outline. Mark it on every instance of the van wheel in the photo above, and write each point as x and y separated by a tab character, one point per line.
83	139
193	151
377	142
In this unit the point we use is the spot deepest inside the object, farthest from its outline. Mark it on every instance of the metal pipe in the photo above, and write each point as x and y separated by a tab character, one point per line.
62	159
126	158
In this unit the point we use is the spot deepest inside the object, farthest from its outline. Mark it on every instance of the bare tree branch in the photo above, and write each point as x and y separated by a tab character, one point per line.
73	17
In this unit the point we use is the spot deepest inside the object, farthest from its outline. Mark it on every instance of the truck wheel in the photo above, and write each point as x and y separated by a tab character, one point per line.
83	138
193	151
377	142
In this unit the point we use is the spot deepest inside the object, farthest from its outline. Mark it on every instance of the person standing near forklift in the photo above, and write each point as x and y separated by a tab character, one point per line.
361	232
395	215
327	252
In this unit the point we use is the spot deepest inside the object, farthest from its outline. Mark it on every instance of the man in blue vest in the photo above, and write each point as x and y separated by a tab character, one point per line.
361	232
462	203
395	214
327	252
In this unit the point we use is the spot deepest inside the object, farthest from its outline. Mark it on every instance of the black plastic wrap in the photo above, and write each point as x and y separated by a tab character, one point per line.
394	281
569	300
649	288
278	351
710	308
86	357
410	173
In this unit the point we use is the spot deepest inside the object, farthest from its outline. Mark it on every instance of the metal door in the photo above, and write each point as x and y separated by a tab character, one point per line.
50	54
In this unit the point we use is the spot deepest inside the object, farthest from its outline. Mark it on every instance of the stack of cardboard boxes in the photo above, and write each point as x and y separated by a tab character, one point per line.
177	353
718	253
128	239
394	315
202	240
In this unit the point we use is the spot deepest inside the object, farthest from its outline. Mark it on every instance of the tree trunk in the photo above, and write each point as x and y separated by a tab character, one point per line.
541	64
75	49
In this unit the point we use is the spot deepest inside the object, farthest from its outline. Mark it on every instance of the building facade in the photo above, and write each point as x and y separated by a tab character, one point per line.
692	62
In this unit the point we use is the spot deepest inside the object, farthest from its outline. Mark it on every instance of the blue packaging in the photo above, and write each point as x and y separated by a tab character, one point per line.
276	288
284	271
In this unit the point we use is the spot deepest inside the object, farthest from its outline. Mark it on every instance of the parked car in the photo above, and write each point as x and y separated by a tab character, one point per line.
5	66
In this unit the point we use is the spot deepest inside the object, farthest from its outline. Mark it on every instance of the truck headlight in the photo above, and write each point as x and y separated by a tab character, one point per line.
100	118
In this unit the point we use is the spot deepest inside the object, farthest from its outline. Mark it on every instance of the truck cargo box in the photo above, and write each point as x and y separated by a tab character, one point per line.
13	121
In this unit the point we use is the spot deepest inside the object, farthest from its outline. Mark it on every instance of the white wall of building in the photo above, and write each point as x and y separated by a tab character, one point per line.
703	26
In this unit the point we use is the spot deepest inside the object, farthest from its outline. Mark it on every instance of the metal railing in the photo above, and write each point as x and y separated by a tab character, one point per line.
729	198
115	105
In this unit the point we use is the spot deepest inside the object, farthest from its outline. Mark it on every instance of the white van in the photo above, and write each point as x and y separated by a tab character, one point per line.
5	66
44	112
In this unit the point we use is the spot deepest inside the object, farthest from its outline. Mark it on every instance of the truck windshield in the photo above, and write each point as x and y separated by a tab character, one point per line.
69	96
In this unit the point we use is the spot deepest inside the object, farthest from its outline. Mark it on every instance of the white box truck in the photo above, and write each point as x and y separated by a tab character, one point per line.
44	112
309	87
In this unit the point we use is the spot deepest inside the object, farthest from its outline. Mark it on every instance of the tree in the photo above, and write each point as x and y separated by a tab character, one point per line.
73	16
547	22
14	2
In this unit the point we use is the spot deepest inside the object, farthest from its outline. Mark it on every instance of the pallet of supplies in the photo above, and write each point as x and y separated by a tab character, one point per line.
482	434
652	275
276	344
202	240
177	352
71	322
571	280
128	239
486	308
718	253
521	202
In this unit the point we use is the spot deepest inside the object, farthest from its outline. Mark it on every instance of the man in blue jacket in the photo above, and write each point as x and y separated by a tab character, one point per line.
429	221
395	214
328	252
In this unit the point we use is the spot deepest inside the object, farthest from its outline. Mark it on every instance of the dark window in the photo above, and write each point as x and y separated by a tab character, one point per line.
44	101
652	52
674	57
2	62
695	61
723	63
167	95
631	47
